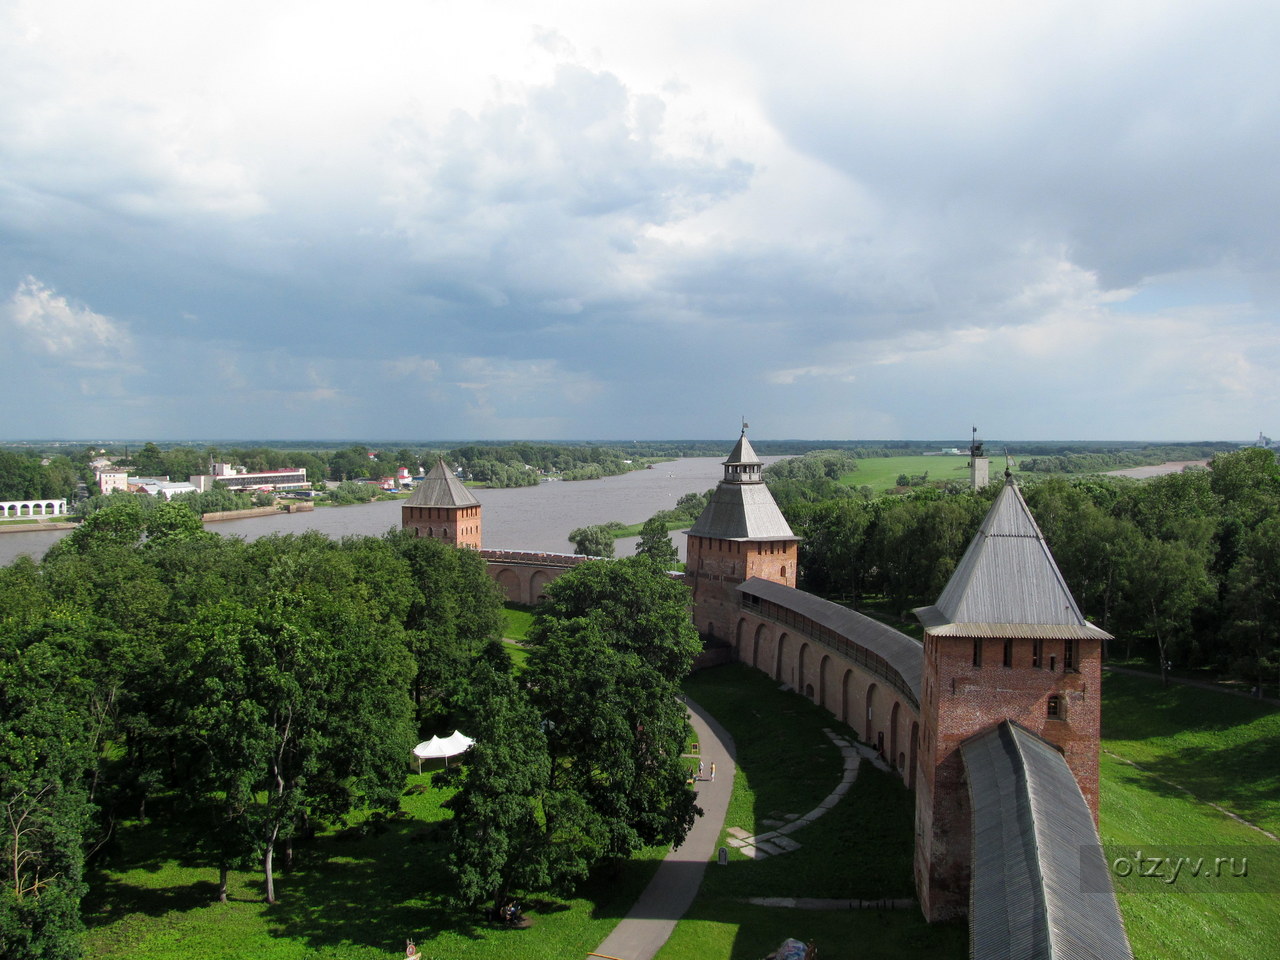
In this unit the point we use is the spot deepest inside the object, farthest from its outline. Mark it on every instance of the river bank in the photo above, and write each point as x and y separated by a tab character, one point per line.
536	518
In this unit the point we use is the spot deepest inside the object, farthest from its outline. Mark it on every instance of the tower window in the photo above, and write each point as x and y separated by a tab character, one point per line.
1008	653
1054	710
1069	655
1037	653
977	653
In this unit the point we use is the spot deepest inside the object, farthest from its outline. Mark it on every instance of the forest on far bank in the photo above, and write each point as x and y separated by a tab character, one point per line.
1183	569
56	470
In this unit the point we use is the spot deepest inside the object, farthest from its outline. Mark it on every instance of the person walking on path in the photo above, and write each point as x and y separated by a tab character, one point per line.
713	773
648	924
699	769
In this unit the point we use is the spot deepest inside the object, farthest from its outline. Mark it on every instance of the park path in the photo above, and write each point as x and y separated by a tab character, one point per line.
648	924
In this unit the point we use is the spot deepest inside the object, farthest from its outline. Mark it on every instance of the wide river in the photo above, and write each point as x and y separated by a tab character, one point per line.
520	518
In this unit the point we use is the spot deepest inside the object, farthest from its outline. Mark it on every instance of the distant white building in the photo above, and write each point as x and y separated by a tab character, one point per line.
237	478
157	487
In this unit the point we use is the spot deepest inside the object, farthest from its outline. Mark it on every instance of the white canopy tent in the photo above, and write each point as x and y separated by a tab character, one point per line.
446	747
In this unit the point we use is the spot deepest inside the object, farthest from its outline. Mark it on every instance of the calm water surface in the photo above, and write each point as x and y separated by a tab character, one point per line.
521	518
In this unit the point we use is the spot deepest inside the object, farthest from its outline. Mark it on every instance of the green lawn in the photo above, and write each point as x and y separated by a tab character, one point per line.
1225	749
519	619
881	473
351	896
787	765
1222	748
360	893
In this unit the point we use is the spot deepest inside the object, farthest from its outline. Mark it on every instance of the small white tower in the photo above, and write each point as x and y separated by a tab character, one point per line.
979	466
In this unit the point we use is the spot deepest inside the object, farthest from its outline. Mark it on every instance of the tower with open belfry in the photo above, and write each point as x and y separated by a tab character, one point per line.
443	509
740	535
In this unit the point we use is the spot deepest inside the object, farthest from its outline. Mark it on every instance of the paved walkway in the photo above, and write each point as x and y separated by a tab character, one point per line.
646	927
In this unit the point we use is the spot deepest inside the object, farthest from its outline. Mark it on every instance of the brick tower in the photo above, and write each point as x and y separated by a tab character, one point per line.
443	509
1005	641
741	534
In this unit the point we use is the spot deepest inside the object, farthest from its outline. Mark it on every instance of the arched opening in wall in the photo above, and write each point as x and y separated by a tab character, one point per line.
740	640
538	581
778	660
24	510
844	695
430	532
802	678
783	571
869	726
509	583
893	734
913	758
755	647
823	664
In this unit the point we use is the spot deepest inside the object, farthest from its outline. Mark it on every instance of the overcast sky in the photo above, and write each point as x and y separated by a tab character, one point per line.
530	219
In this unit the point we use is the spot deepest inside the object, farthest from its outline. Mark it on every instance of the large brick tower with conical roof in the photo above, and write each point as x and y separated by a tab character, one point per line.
741	534
443	509
1005	641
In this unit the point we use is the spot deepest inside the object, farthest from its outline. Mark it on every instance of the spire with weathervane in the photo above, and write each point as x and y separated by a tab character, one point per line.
740	534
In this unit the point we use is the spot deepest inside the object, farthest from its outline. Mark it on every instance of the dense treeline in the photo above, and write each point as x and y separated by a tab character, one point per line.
263	692
266	688
23	477
579	760
521	464
1183	569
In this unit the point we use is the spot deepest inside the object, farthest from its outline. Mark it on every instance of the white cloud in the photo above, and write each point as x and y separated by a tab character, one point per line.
50	325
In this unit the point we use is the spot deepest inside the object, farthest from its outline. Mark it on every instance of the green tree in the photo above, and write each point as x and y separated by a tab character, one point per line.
655	543
498	837
316	695
149	461
173	522
20	477
121	523
592	541
640	609
615	732
1253	603
594	771
455	609
45	758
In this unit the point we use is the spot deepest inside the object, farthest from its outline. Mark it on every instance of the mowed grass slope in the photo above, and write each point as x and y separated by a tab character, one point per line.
1225	750
860	849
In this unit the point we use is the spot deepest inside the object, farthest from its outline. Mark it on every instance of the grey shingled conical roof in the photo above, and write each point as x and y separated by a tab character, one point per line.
440	488
742	452
1007	584
741	506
